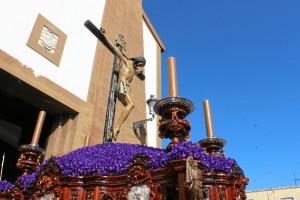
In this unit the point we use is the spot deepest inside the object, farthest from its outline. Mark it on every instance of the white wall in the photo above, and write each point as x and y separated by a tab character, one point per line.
151	80
292	192
17	18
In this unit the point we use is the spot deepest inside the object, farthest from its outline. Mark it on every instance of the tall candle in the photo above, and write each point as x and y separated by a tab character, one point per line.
2	164
38	128
87	140
208	119
173	88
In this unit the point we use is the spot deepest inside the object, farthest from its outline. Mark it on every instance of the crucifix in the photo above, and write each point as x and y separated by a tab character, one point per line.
122	75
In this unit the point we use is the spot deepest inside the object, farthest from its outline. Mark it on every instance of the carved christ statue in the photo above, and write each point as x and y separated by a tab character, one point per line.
128	67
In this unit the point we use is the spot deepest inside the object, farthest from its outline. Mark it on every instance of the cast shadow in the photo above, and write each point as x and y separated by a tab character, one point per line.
141	133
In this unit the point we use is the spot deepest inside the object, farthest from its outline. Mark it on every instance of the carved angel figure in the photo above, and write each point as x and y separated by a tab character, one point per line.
193	179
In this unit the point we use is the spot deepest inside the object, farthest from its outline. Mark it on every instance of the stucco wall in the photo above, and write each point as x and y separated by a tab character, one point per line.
151	81
275	194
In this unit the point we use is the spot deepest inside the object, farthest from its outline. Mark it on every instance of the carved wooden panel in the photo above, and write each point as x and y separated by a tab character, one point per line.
166	183
89	195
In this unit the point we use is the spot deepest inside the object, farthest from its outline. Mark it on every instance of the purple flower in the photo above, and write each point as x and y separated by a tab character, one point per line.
5	186
211	163
27	180
108	159
114	159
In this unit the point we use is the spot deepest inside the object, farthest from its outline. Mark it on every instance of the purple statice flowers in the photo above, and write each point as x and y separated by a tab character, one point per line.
211	163
5	186
114	159
108	159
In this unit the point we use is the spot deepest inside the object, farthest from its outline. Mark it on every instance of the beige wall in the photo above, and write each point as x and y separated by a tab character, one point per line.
21	27
275	194
120	17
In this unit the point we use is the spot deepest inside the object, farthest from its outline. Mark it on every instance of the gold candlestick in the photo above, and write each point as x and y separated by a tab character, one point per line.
38	128
208	119
173	88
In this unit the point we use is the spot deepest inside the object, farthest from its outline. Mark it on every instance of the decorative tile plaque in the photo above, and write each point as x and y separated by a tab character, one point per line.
47	40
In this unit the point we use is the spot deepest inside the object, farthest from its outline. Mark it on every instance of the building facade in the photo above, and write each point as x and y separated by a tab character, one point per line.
50	62
284	193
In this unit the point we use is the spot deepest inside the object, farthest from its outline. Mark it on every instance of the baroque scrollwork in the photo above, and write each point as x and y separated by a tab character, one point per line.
111	195
16	194
222	193
47	182
89	195
139	181
173	110
175	126
240	183
30	158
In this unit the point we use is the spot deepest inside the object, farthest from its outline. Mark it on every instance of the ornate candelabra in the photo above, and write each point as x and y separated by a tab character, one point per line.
30	158
31	155
213	146
173	110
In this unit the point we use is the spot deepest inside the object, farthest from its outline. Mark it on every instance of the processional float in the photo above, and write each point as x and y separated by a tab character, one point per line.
182	171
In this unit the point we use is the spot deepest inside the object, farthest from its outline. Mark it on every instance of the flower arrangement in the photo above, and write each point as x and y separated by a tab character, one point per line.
108	159
114	158
211	163
5	186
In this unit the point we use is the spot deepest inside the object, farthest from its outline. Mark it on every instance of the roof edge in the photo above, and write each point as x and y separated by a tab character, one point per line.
154	33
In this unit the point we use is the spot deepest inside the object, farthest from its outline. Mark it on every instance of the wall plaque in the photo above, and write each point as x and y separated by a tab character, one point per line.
47	40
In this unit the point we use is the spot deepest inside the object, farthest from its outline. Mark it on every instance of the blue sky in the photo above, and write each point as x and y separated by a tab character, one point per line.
243	56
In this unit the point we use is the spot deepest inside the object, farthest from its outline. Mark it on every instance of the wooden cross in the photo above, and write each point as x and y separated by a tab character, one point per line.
111	104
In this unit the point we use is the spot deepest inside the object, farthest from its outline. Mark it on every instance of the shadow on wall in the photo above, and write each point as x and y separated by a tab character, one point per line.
141	133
